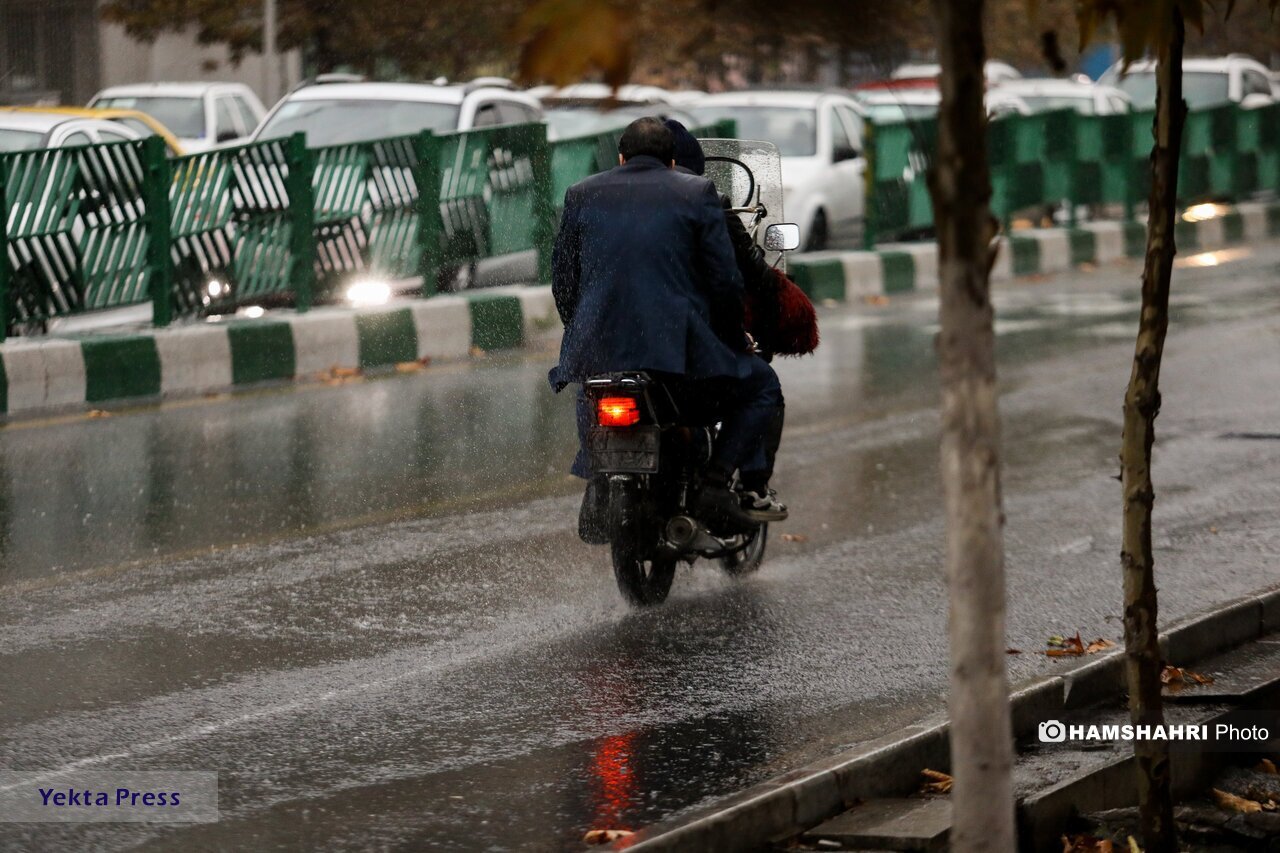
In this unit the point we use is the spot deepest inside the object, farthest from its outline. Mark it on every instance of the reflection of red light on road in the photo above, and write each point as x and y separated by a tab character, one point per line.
615	784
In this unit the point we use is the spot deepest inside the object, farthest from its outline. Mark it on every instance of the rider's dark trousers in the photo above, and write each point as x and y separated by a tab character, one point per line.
750	411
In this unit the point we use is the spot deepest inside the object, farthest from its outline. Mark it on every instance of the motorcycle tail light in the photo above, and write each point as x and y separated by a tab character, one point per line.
617	411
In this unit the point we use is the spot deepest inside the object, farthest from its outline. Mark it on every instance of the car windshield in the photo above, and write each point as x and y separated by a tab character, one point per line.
334	122
183	116
1200	89
1082	104
19	140
792	129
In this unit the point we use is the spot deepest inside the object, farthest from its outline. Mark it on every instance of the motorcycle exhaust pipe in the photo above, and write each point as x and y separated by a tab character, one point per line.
682	531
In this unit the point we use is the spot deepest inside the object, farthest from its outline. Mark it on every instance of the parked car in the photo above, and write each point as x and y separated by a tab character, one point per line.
903	103
201	115
140	123
596	92
819	135
339	113
28	130
996	71
1206	82
586	108
567	121
1042	94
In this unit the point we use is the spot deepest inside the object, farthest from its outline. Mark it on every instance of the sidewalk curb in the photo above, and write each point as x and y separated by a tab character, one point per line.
890	766
904	267
61	372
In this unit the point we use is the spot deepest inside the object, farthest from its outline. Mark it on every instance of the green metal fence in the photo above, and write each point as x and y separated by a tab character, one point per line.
77	230
1059	157
106	226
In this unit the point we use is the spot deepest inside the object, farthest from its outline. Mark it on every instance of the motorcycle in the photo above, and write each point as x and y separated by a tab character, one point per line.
653	445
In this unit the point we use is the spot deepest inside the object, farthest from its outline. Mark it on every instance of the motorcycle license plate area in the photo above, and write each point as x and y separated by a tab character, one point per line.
624	451
731	179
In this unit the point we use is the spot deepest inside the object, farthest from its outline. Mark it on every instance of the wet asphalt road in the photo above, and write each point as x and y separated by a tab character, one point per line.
364	605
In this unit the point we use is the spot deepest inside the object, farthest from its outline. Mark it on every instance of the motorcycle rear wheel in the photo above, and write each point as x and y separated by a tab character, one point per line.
747	560
643	578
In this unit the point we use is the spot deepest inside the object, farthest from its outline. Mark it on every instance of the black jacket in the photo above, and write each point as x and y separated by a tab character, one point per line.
642	264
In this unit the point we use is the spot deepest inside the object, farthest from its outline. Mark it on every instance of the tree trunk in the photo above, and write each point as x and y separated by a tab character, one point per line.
1143	662
981	732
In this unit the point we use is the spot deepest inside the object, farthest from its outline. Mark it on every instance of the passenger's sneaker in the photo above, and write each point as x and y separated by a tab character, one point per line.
763	507
593	518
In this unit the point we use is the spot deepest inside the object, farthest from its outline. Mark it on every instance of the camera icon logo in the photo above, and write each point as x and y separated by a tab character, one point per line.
1052	731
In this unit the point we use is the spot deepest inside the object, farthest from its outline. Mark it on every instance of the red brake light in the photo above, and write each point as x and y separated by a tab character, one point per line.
617	411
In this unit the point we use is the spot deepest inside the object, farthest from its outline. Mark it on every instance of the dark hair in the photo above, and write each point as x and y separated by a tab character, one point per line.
688	151
649	136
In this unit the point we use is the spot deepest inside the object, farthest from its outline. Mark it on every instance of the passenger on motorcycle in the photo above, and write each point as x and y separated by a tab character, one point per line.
644	278
761	287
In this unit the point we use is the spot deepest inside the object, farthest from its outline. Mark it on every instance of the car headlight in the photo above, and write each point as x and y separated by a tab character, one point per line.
368	291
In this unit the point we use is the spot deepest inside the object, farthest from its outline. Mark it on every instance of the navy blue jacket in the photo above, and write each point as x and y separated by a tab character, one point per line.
645	278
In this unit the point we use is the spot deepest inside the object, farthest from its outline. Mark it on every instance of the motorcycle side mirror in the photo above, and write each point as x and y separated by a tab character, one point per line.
783	237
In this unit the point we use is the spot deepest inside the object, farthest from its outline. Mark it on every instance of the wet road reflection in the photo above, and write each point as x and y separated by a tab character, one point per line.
407	648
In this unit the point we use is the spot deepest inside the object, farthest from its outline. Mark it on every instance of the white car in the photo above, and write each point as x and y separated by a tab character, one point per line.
996	72
819	135
1236	79
26	131
585	92
201	115
894	104
1049	93
339	113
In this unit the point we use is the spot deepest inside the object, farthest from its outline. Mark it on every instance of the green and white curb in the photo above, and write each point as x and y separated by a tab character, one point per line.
55	373
905	267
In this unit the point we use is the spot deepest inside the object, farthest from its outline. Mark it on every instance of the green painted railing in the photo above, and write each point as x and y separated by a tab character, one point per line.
273	222
1058	157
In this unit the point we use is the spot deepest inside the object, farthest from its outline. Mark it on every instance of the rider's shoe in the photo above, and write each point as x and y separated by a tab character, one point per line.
721	509
593	518
763	506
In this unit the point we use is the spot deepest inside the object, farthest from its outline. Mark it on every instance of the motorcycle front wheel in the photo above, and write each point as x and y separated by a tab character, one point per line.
747	560
643	579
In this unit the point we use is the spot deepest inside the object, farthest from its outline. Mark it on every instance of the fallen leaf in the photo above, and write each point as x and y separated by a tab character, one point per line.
1266	765
794	537
477	352
877	299
940	783
1231	802
1174	675
408	366
1013	651
605	836
99	413
1065	646
1098	645
1213	530
344	372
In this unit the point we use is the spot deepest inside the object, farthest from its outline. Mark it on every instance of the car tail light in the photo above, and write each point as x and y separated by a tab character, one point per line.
617	411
